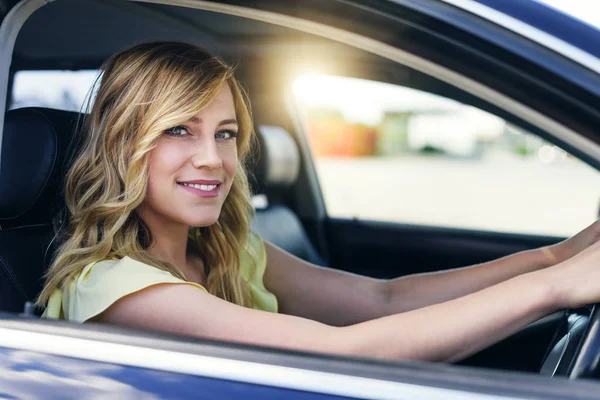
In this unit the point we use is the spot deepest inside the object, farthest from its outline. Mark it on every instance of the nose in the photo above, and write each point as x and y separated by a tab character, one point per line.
206	155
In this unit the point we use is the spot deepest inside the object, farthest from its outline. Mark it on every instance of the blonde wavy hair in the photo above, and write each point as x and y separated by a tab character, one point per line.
143	91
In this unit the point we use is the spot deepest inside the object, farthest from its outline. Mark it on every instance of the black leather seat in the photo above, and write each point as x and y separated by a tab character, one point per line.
276	171
34	150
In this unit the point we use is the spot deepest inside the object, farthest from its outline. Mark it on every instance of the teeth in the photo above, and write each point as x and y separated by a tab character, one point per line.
206	188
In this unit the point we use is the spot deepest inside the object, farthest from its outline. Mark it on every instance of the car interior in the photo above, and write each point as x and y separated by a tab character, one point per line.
290	212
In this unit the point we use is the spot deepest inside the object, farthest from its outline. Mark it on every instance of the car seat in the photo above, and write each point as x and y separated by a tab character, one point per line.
276	170
35	147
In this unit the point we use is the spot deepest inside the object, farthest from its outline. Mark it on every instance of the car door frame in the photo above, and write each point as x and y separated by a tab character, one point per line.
320	376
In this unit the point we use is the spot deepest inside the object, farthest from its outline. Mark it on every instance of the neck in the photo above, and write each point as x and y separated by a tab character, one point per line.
169	240
170	246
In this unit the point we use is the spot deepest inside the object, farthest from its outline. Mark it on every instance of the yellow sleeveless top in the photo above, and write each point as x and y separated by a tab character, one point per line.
101	284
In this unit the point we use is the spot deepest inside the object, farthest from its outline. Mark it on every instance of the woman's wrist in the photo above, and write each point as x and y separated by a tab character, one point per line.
551	287
536	259
548	256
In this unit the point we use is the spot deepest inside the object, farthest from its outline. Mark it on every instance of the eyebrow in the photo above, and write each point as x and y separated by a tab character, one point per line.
224	122
228	121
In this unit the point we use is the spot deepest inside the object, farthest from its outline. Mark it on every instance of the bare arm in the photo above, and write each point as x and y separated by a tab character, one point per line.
340	298
442	332
323	294
469	324
416	291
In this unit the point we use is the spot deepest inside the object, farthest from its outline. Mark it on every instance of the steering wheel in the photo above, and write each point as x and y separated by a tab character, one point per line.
586	361
577	354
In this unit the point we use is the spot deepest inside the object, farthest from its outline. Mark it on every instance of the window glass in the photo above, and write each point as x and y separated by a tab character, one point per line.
62	90
391	153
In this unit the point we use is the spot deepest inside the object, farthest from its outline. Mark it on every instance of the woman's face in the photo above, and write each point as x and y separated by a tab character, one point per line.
192	167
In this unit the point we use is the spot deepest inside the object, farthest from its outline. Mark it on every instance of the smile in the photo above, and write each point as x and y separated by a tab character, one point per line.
208	189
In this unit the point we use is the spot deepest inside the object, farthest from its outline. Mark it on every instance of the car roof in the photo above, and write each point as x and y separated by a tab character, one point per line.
234	38
543	18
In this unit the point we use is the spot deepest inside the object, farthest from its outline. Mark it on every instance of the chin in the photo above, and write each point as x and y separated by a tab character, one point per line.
206	220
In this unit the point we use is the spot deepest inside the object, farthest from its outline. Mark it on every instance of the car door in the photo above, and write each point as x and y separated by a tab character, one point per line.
42	359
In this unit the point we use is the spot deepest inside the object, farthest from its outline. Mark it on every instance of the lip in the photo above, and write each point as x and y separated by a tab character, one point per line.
202	182
202	193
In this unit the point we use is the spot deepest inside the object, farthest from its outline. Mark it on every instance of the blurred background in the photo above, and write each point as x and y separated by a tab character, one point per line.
390	153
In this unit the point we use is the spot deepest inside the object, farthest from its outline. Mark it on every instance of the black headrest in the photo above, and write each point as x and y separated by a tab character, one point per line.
35	147
278	162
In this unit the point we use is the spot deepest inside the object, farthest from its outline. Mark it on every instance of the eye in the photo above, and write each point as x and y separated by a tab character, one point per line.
226	134
177	131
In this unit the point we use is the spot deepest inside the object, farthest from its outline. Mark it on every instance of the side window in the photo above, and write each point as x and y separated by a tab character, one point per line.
62	90
390	153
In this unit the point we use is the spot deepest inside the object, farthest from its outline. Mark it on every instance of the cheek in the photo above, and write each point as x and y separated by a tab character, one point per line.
166	158
164	161
230	160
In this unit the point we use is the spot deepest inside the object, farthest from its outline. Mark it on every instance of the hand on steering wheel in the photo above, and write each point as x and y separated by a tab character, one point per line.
577	283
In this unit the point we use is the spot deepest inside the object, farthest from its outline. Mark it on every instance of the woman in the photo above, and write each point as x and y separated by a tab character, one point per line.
158	238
